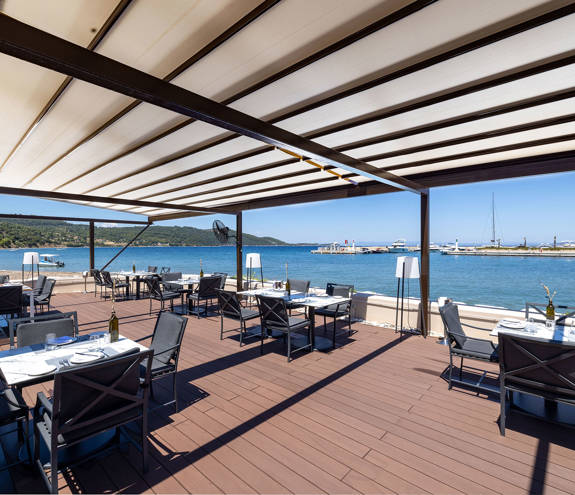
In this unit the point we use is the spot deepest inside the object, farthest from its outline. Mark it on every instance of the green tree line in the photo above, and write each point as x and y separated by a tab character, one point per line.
19	233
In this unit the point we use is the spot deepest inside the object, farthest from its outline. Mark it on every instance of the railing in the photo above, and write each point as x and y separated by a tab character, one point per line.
537	306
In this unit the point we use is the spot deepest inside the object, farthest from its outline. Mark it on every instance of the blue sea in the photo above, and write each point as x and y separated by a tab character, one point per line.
497	281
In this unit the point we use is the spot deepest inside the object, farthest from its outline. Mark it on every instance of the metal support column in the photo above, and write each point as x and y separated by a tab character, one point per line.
424	275
91	244
239	252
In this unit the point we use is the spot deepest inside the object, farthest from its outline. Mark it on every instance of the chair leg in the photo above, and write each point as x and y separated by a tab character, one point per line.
145	441
150	305
461	369
176	391
334	331
349	323
288	346
450	370
262	340
324	324
502	407
222	328
54	470
242	330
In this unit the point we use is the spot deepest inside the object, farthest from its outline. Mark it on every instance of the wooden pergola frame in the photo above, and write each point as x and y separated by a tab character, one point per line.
33	45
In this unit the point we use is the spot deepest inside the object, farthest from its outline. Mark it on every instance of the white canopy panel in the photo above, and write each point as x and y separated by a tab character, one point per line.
385	95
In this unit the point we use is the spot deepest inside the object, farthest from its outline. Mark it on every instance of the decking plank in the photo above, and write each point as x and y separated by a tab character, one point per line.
372	416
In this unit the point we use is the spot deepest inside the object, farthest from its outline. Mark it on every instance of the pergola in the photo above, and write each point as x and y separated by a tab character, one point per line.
182	108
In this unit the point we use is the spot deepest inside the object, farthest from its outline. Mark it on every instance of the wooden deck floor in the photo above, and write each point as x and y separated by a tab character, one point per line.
373	416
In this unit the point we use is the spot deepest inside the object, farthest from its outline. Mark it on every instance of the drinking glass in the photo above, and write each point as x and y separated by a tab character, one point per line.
94	338
50	346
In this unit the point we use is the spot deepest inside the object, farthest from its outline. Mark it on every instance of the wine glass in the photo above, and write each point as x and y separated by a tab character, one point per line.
50	345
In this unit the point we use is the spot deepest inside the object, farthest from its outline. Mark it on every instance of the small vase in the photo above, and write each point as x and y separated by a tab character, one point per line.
550	311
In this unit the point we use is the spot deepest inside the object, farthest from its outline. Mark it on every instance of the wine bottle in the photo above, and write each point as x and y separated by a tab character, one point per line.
201	270
114	327
288	288
133	267
550	311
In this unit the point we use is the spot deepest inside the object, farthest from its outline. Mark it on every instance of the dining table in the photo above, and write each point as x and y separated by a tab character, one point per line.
136	277
309	301
536	330
187	286
29	365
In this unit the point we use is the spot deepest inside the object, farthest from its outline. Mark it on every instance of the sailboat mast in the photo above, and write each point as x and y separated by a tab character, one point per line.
493	218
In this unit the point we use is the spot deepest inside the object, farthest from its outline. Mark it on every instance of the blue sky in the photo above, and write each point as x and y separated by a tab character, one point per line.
536	207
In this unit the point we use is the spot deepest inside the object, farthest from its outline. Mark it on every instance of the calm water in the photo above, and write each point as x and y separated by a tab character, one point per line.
497	281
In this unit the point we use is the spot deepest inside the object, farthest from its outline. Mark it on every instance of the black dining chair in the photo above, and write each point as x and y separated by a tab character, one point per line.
88	401
44	298
11	301
166	343
152	269
164	270
39	284
231	307
98	282
338	310
30	331
13	409
274	316
156	293
296	285
207	291
462	346
114	285
4	279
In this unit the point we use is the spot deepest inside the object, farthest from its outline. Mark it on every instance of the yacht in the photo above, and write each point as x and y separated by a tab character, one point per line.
50	260
399	247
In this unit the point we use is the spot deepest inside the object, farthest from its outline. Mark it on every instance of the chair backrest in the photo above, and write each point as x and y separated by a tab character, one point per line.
34	332
46	293
299	285
223	277
10	299
153	284
164	269
208	286
169	276
450	316
273	310
229	303
97	397
39	284
97	276
167	336
152	269
6	278
538	367
340	290
107	278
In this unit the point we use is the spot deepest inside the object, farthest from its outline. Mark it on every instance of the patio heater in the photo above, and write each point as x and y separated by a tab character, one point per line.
253	262
406	267
31	259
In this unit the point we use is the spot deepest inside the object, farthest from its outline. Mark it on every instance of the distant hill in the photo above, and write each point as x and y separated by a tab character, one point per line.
16	233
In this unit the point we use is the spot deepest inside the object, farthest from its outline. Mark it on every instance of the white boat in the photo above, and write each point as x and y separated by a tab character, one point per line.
434	247
50	260
399	246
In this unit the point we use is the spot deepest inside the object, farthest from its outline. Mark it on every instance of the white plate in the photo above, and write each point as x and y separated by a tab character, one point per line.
39	368
86	357
513	323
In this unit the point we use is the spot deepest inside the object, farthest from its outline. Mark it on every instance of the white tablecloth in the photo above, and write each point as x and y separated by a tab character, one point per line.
14	362
538	330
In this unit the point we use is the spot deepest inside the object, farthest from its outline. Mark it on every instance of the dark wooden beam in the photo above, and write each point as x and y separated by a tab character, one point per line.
35	193
424	269
196	57
239	252
72	219
91	243
300	64
102	32
39	47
